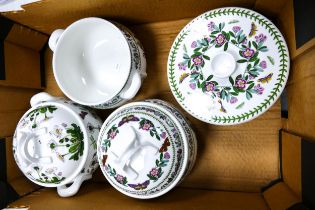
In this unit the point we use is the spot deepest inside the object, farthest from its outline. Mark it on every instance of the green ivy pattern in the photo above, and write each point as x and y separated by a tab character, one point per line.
253	78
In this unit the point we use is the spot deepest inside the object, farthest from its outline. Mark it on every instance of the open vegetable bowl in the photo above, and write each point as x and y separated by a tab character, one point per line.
146	148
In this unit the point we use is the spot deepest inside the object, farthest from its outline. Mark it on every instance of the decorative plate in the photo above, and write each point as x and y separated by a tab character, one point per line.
142	151
228	66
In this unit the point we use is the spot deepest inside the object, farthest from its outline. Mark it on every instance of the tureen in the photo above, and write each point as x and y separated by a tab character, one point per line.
146	148
54	143
97	63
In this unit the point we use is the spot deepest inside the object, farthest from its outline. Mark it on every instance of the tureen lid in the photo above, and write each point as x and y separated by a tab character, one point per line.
49	144
142	150
228	66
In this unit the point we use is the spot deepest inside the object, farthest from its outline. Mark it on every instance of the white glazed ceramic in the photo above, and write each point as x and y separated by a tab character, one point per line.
228	66
97	63
146	148
55	143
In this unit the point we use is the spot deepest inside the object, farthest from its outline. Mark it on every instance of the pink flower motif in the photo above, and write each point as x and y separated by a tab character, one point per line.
211	26
209	39
182	66
120	178
236	29
163	135
194	44
248	53
112	134
198	60
244	41
233	100
146	126
167	155
192	86
259	89
260	38
209	86
154	172
263	64
220	39
251	77
241	83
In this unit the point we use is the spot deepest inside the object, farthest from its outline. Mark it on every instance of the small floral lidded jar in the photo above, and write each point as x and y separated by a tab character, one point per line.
55	143
146	148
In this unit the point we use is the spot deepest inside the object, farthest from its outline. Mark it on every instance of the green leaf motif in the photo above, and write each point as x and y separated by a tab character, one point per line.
233	21
242	61
226	45
77	142
231	80
206	57
272	61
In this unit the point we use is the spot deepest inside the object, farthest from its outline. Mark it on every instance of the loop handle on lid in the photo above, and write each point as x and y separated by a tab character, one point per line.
41	97
23	150
65	191
53	40
133	86
131	156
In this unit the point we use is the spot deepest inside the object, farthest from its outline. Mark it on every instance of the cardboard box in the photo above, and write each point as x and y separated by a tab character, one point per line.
20	55
248	166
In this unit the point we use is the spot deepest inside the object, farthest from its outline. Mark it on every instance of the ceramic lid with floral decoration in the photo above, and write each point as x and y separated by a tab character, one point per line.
228	66
142	150
48	144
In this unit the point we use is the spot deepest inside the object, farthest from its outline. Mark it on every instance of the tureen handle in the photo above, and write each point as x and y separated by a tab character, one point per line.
53	40
65	191
133	86
24	153
41	97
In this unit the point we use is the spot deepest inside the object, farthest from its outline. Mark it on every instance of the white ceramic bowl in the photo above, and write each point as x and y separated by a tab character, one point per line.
97	63
55	143
146	148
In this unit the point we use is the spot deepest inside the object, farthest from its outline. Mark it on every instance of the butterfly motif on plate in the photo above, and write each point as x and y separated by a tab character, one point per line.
266	79
140	186
222	109
104	159
253	30
165	145
127	119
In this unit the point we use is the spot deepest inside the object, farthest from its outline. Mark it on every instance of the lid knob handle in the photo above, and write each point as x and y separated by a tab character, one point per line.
131	155
223	65
41	97
30	154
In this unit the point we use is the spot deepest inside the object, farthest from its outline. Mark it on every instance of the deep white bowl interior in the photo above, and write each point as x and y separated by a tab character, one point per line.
92	61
